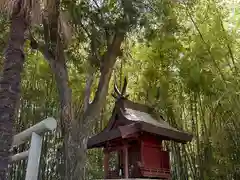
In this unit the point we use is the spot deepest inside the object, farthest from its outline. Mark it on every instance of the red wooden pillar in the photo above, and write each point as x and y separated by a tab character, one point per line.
106	163
126	161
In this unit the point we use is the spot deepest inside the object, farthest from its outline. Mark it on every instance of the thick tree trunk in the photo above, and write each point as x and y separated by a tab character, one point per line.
58	65
82	129
72	134
10	88
54	53
76	129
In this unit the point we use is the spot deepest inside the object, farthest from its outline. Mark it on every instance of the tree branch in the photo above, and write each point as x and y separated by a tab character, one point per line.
41	47
89	83
108	59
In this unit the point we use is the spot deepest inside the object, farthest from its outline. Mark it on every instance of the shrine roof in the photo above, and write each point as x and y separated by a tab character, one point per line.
135	115
134	118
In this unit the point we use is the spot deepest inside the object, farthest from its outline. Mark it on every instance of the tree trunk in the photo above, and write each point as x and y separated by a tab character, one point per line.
59	67
75	130
10	88
73	136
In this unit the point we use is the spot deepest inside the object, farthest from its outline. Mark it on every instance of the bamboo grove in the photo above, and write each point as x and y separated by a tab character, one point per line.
180	57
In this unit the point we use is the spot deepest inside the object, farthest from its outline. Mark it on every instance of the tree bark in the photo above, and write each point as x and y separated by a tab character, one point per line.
82	129
59	68
10	88
76	129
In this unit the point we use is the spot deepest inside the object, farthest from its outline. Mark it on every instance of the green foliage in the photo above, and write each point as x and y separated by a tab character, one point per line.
182	58
192	63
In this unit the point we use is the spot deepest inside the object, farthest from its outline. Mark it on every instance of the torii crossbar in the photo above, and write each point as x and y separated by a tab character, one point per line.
34	153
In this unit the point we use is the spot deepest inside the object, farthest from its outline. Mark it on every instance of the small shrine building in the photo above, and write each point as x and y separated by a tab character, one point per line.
132	142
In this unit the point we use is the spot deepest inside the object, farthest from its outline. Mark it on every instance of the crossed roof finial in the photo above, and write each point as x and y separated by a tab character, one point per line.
120	94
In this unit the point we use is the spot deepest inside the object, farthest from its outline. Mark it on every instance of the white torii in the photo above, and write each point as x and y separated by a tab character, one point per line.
34	153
